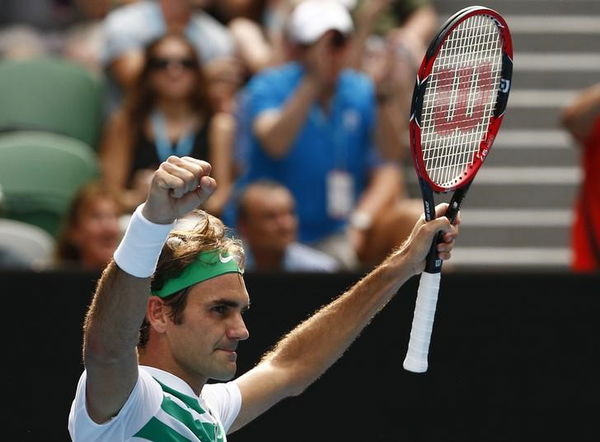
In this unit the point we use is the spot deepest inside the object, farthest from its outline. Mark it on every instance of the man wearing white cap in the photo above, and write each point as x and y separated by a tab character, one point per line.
312	126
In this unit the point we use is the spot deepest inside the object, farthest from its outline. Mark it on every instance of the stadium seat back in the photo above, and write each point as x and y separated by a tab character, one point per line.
52	95
40	174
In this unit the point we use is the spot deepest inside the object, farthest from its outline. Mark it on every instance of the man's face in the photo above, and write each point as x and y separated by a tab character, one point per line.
204	344
331	50
97	232
271	223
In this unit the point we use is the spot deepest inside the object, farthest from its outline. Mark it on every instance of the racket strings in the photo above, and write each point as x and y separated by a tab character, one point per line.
460	98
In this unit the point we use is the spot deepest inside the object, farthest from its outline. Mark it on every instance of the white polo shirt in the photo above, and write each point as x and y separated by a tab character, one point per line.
161	407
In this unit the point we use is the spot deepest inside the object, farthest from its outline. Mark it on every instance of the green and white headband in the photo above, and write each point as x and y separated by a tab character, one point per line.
207	265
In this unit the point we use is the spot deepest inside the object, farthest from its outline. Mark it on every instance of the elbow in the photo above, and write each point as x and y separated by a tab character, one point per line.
297	390
96	351
274	149
566	118
99	351
291	379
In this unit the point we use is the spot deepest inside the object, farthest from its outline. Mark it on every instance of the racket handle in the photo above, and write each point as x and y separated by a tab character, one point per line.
422	325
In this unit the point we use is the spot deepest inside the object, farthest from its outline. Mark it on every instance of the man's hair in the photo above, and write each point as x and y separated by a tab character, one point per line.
198	232
263	183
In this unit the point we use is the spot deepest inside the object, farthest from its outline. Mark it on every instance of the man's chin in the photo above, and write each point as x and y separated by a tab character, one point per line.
225	375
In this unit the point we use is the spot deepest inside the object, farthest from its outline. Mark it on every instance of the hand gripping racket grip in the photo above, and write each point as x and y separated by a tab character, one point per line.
422	325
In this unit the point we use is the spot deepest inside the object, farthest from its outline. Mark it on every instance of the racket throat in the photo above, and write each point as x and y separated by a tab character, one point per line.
433	263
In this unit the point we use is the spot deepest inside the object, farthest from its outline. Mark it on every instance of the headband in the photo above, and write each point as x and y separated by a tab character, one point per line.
207	265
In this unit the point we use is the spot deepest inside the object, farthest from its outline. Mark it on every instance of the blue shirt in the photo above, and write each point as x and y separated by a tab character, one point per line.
340	140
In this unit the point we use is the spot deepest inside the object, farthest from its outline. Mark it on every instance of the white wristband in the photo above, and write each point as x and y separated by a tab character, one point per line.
141	245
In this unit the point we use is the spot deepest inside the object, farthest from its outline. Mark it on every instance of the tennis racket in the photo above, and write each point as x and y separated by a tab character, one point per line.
457	108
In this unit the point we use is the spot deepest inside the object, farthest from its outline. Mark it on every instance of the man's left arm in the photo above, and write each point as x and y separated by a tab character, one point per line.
313	346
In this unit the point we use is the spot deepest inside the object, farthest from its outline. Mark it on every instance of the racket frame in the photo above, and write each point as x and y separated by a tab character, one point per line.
422	83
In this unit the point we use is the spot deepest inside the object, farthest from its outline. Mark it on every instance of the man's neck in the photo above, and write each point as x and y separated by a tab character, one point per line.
266	260
146	358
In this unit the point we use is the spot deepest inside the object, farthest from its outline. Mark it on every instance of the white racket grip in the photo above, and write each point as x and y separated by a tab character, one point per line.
422	325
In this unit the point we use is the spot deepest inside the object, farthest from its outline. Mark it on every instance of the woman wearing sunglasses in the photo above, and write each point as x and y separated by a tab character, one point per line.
168	111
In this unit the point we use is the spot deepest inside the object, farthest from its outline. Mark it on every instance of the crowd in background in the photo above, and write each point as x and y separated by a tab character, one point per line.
301	107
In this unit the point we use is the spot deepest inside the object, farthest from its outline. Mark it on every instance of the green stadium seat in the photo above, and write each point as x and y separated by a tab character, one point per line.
51	94
39	175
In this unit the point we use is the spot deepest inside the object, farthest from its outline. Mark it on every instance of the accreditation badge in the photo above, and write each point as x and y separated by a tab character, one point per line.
340	194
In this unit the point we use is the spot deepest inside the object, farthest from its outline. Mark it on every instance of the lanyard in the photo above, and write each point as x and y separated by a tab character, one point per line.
164	148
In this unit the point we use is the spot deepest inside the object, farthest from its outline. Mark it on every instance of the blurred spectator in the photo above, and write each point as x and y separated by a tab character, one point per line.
84	41
29	28
257	27
167	112
91	229
390	41
32	28
129	29
582	119
312	126
268	225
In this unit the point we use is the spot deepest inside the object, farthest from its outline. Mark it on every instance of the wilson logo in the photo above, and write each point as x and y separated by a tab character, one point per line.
461	97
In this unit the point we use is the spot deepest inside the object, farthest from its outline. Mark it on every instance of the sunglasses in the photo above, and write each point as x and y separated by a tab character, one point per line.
161	64
338	40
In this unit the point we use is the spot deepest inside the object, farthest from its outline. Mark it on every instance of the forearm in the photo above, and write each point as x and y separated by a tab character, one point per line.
127	68
385	187
392	130
358	43
277	131
252	46
310	349
423	23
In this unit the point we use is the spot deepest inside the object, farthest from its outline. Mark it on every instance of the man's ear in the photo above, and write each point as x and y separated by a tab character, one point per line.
157	314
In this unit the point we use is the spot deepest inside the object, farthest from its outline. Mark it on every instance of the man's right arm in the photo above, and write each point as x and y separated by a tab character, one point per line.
112	324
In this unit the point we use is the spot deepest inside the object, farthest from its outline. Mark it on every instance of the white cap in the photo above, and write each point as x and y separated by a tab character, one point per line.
313	18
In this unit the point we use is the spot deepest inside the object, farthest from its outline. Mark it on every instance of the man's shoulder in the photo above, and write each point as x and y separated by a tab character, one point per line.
301	257
277	75
352	78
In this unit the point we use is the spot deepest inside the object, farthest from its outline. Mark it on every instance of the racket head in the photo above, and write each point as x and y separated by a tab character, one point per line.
460	97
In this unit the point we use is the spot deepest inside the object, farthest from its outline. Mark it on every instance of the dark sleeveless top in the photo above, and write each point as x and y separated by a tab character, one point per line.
145	156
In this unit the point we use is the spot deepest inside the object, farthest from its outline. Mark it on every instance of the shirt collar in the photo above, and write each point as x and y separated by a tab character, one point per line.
170	380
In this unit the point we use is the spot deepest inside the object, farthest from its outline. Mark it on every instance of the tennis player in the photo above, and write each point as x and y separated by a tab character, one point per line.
153	385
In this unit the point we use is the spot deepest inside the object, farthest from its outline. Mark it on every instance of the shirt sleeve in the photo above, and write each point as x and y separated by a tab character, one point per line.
262	96
130	28
142	404
224	400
